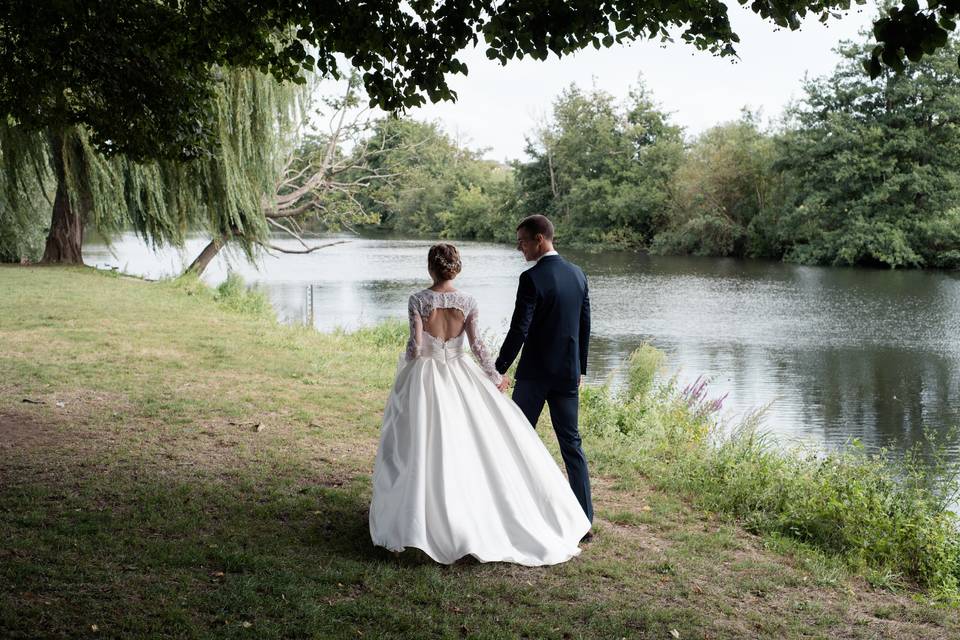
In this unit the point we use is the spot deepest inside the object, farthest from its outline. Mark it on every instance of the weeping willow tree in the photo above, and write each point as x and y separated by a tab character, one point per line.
223	193
256	122
318	181
24	207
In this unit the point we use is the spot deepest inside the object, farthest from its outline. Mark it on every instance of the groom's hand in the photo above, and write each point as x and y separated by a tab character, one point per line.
504	383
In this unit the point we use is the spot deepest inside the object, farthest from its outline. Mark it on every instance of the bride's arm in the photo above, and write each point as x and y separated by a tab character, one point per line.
479	348
416	329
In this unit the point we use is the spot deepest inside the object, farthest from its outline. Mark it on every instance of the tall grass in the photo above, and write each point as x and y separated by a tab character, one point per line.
389	333
231	294
878	512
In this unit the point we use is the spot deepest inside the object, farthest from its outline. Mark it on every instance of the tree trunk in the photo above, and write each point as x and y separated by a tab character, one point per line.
209	253
65	239
553	179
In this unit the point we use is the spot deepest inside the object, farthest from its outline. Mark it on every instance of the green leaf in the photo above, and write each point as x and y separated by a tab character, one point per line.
892	59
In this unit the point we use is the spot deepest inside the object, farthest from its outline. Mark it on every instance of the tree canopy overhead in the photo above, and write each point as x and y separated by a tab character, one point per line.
140	73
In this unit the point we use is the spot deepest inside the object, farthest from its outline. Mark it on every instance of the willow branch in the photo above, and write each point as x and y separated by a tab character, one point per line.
289	213
268	245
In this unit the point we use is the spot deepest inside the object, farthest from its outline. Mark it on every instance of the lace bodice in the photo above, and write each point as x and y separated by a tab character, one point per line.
422	304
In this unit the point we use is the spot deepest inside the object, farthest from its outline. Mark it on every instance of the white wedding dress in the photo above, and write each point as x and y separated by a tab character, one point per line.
459	469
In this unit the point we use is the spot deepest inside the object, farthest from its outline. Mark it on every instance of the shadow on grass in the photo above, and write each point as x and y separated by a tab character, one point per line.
141	554
345	531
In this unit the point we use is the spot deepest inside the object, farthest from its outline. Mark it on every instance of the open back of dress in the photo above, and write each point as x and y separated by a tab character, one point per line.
445	324
446	316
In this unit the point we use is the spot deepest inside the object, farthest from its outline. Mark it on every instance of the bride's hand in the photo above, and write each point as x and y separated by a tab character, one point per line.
504	383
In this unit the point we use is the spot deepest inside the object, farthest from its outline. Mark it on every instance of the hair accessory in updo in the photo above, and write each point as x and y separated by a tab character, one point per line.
444	261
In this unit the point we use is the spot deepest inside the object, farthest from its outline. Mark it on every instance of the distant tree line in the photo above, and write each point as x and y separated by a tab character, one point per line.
859	171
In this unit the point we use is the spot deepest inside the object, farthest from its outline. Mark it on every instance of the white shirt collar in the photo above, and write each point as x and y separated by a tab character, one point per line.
548	253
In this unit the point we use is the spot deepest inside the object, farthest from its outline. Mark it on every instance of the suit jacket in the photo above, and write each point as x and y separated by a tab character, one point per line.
551	321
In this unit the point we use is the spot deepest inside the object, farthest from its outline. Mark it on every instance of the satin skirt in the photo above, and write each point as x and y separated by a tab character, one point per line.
459	471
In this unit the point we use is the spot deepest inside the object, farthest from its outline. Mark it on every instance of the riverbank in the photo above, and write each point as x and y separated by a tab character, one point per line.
175	464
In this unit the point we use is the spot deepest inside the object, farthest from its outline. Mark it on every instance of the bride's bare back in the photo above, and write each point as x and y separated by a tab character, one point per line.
447	315
445	323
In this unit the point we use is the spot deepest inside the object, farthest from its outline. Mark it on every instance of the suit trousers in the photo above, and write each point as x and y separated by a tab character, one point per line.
563	398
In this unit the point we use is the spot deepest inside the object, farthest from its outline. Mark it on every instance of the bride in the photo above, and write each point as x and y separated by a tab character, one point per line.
459	470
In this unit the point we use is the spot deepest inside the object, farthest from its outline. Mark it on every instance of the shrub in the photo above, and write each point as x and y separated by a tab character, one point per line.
874	511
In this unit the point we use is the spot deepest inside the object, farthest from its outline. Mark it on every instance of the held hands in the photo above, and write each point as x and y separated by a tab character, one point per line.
505	383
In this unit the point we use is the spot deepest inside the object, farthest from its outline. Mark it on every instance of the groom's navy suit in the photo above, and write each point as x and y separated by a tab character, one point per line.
551	322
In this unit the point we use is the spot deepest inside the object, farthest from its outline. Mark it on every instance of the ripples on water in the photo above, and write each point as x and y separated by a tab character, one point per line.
839	353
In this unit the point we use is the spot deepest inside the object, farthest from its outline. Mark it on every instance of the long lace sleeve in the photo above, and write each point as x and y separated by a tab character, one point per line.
478	347
416	329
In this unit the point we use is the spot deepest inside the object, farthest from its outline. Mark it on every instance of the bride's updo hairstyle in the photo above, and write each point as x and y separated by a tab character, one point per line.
444	261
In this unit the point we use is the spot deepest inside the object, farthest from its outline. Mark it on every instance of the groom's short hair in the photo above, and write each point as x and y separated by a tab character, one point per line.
537	224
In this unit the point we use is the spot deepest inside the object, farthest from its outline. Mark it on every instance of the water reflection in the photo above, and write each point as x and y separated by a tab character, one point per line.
840	353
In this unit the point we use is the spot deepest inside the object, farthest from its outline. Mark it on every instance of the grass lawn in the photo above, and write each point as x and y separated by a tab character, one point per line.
170	467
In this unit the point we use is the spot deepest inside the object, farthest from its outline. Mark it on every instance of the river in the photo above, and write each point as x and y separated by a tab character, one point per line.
833	353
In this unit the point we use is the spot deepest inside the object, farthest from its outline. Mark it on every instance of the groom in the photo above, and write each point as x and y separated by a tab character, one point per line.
551	321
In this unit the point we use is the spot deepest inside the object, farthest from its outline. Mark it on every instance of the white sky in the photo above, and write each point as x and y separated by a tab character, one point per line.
498	105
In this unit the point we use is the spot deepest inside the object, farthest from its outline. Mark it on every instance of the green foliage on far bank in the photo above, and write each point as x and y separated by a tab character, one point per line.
873	167
860	172
723	193
443	190
601	169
